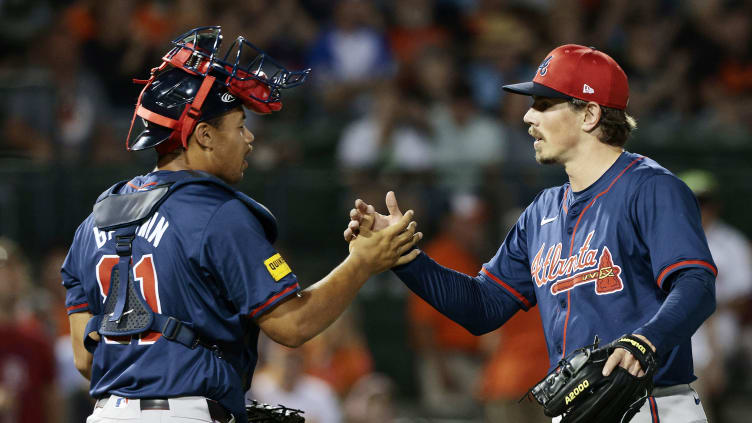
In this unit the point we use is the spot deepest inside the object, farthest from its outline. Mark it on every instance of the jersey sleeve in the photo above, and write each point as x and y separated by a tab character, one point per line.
510	267
75	297
235	252
474	303
668	221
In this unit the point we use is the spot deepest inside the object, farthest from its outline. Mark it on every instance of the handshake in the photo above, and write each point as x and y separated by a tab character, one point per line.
380	242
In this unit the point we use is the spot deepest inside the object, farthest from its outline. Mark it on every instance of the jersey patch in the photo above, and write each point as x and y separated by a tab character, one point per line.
277	267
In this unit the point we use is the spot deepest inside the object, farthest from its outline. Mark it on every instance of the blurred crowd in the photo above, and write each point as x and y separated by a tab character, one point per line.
402	94
395	83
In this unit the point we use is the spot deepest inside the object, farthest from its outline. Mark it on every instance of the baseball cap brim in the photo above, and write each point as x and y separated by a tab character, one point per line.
534	88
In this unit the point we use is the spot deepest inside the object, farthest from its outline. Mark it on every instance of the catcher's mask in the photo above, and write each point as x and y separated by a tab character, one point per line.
193	84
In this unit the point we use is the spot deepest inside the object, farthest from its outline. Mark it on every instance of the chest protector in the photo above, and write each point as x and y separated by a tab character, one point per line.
125	311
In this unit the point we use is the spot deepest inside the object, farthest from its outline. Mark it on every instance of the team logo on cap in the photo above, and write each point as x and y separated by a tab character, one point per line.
228	98
543	68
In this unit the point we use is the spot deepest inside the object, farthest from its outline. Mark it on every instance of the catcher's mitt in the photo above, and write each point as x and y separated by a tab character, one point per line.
264	413
578	391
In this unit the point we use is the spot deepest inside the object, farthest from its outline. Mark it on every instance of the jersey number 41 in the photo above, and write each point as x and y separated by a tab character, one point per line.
146	277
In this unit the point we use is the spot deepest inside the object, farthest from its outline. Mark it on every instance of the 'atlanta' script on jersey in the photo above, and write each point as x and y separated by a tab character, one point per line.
584	267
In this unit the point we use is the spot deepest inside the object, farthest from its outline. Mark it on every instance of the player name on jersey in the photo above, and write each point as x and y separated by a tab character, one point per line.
152	230
605	275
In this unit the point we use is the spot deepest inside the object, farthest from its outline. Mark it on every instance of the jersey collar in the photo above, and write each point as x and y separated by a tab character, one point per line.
602	183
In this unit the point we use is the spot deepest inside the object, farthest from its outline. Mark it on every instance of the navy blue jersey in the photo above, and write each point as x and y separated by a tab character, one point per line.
596	261
203	258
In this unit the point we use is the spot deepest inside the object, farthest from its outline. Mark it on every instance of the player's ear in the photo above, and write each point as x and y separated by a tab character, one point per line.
591	116
203	135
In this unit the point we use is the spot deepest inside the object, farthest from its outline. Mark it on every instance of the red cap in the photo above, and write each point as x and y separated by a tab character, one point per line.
580	72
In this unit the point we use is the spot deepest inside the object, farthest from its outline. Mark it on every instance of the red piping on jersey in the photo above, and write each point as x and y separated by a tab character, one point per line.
566	323
517	295
76	307
564	202
571	246
582	213
273	299
132	185
653	410
685	263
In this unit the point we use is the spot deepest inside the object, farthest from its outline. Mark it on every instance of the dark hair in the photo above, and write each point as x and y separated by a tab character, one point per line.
216	121
615	124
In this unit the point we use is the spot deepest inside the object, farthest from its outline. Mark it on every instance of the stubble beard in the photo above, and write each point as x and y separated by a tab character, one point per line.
544	160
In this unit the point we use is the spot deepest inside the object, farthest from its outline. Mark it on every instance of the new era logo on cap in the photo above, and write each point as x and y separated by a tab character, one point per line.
581	72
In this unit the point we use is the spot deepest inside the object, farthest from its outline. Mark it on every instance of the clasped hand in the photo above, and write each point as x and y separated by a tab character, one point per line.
382	242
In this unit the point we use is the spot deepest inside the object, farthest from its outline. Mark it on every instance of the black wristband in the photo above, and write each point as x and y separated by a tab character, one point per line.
639	349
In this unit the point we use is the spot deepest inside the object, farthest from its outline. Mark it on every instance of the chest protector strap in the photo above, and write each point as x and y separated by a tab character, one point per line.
125	310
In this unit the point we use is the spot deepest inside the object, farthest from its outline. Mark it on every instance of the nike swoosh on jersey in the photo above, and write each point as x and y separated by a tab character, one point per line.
548	220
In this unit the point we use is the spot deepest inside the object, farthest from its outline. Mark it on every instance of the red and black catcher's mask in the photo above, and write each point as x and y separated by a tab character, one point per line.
194	84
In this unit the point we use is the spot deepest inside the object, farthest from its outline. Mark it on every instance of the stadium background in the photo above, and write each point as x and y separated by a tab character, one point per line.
404	95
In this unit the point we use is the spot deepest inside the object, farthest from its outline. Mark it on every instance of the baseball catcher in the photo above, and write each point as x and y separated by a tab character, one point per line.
173	277
578	391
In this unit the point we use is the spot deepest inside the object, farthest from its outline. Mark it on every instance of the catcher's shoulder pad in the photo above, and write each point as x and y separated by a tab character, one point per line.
112	211
265	217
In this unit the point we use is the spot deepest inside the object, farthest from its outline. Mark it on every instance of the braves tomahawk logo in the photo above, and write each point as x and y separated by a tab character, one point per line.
578	269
